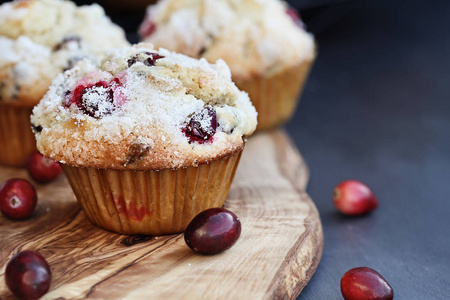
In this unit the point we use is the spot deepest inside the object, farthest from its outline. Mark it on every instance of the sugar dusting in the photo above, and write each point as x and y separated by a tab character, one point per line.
252	36
96	99
156	103
34	49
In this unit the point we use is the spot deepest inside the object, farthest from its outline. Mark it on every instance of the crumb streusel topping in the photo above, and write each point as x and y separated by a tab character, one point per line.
254	37
143	109
40	38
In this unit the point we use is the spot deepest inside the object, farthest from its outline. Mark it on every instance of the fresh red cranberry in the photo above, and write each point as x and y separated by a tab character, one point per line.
18	198
213	231
352	197
147	58
365	284
147	28
202	125
28	275
42	169
293	13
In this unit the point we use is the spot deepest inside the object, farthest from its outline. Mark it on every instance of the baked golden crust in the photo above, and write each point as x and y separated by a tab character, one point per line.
135	114
131	152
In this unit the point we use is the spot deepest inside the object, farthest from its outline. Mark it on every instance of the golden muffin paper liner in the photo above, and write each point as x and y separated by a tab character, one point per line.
151	202
16	136
276	97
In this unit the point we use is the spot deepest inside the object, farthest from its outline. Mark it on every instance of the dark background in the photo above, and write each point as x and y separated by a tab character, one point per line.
376	108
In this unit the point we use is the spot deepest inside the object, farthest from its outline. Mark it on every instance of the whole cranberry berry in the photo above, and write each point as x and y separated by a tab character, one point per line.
365	284
18	198
28	275
202	125
42	169
213	231
352	197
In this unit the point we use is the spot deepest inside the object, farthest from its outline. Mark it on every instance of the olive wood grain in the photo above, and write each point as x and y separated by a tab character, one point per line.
278	251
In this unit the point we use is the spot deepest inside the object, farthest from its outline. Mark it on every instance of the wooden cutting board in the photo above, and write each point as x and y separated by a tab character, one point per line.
278	251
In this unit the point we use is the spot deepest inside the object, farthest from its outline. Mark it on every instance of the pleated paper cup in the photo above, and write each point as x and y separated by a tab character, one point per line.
151	202
16	137
276	97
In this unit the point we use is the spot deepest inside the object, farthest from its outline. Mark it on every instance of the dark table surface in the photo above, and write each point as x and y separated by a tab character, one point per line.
377	109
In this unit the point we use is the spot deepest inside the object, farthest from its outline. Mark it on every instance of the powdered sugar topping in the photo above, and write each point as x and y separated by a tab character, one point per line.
252	36
35	48
185	110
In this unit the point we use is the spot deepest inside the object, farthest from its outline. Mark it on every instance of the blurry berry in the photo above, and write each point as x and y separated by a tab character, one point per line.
352	197
18	199
42	169
71	39
293	13
147	28
28	275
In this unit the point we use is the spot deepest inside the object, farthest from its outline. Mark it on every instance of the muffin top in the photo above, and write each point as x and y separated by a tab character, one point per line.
40	38
143	109
254	37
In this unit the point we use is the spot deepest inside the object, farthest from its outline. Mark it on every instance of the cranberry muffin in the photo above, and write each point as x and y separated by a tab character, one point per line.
38	40
263	42
147	139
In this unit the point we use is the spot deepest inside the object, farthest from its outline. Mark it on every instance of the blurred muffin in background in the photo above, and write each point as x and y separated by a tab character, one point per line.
263	42
38	40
